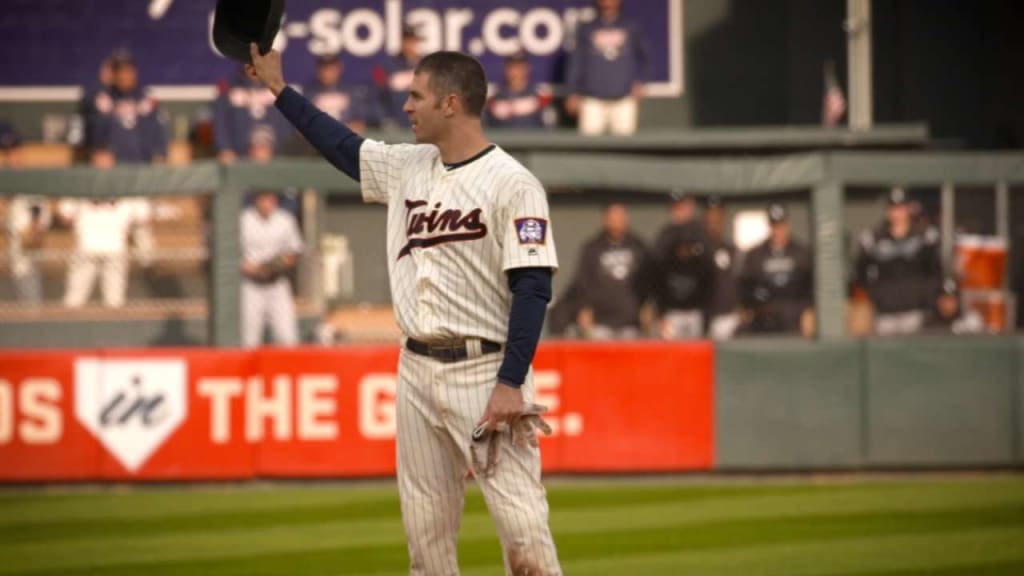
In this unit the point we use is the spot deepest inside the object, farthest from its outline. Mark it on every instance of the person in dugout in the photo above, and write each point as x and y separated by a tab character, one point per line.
242	112
776	282
682	209
393	76
612	279
725	299
345	103
519	103
900	268
949	316
683	279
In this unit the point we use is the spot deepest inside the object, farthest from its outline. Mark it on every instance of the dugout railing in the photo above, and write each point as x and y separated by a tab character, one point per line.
825	174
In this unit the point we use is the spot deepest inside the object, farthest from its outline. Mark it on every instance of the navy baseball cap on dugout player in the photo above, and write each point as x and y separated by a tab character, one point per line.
777	213
897	196
238	23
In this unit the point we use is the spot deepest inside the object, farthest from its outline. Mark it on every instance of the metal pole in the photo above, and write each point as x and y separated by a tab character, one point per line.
858	50
829	276
948	223
225	267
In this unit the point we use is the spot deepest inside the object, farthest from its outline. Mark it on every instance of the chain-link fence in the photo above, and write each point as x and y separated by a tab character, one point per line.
106	270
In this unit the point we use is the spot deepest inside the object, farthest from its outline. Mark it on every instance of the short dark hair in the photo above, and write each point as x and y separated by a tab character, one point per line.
459	74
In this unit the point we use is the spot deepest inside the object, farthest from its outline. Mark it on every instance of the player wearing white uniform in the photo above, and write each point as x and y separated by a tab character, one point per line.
470	256
270	247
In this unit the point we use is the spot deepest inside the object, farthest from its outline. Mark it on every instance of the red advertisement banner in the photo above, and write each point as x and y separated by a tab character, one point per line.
325	412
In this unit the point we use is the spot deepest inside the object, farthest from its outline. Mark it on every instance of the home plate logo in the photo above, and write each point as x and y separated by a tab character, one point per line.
130	406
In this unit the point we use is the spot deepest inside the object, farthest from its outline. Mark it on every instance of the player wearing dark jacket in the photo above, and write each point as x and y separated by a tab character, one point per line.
613	282
725	298
776	284
683	281
900	267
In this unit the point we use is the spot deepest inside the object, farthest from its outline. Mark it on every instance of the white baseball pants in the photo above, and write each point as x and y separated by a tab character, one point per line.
439	403
268	303
616	116
82	276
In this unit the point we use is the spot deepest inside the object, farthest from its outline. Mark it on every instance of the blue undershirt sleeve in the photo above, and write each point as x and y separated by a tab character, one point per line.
338	144
531	292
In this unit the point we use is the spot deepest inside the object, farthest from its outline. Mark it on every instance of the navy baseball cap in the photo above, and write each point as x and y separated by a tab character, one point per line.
679	195
121	57
777	213
410	31
897	197
517	57
238	23
328	59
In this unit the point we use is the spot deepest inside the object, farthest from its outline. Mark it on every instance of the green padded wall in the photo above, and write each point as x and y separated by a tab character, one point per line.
1019	413
940	402
788	404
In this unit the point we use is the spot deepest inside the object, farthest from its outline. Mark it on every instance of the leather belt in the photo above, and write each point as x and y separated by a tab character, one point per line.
450	352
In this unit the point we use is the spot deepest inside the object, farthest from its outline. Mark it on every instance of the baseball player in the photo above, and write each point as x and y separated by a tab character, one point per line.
470	255
900	266
270	247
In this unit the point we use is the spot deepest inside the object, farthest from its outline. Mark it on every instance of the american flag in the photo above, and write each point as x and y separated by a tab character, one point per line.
833	104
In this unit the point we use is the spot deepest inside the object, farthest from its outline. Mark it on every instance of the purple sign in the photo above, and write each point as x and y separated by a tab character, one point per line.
54	45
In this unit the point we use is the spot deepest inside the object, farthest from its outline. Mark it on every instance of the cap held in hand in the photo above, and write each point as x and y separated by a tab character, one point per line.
237	23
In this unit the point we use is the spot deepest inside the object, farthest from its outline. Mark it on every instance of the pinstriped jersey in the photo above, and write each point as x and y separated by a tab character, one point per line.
453	233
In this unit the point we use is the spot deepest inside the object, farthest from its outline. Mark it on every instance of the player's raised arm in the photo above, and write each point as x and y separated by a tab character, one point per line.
337	143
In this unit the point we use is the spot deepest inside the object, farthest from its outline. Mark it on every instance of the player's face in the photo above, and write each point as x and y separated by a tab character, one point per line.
411	48
780	233
609	7
425	110
714	220
329	74
266	204
616	221
517	75
948	306
683	211
899	215
126	77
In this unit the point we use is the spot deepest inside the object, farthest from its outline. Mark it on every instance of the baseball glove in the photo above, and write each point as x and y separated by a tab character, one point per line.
486	444
272	269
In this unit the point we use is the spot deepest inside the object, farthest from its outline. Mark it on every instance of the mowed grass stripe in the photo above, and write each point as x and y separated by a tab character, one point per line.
28	525
23	507
606	544
925	553
349	534
118	513
51	509
984	569
205	543
212	539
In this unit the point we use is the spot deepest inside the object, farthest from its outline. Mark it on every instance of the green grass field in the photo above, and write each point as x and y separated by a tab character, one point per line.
858	527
